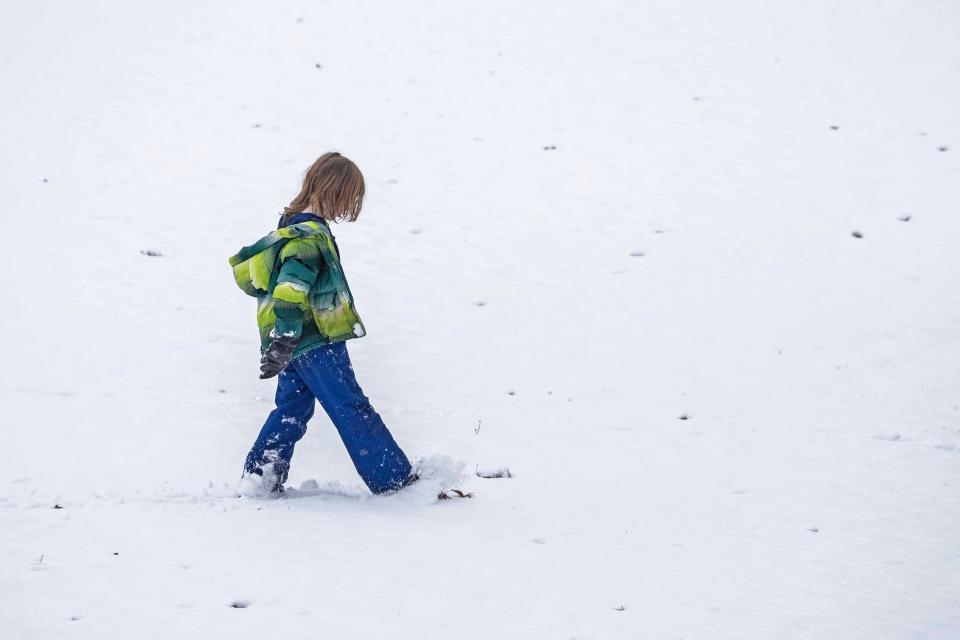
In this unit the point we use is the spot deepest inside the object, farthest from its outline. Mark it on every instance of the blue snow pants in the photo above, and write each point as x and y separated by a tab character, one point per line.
325	374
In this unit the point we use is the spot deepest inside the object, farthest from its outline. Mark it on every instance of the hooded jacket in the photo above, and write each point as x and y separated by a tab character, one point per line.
295	274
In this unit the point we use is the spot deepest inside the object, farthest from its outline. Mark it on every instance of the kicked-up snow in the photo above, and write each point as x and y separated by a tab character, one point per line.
685	271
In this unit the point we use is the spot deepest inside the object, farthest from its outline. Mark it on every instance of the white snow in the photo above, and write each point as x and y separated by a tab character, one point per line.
584	220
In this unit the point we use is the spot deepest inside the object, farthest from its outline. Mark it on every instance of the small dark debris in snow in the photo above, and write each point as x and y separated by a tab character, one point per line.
45	180
834	127
240	604
116	553
659	230
477	430
538	541
904	218
890	437
318	65
942	149
222	390
857	234
637	254
620	608
550	147
511	392
57	506
151	252
813	529
549	393
685	416
481	303
74	618
299	20
697	99
256	125
392	181
450	494
415	231
502	472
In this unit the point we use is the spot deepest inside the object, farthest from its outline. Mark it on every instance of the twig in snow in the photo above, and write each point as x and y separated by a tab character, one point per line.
453	493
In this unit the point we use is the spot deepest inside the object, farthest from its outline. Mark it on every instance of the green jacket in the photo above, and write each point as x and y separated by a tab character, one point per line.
295	274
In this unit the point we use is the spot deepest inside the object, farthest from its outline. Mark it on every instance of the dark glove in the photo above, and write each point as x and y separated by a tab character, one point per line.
277	356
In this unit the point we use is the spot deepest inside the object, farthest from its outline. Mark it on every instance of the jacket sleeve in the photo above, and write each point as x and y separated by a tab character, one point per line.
300	264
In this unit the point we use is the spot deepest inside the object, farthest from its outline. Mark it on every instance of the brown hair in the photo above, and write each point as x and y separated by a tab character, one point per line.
333	189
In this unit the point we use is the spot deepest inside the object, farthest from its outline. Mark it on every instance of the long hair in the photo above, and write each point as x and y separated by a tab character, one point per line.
333	189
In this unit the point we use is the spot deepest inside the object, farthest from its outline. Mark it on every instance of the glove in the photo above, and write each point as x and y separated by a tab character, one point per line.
277	356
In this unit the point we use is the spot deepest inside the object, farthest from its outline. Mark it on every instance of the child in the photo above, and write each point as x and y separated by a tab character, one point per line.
305	313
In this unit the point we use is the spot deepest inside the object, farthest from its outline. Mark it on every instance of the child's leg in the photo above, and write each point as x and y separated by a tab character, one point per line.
283	428
375	454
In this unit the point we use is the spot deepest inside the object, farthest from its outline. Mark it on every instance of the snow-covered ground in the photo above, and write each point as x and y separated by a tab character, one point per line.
608	245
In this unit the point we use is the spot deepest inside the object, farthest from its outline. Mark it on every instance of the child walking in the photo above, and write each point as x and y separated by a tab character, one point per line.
306	314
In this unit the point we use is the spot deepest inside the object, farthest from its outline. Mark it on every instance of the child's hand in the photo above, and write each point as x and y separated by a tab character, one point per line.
277	356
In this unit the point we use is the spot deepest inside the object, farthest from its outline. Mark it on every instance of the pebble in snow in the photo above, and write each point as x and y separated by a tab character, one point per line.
857	234
904	218
637	254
